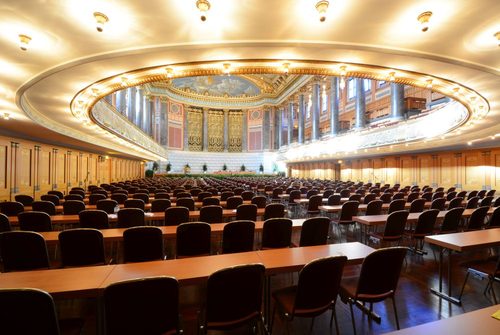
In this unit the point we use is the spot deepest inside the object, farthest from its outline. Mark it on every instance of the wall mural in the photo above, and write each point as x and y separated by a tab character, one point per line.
231	86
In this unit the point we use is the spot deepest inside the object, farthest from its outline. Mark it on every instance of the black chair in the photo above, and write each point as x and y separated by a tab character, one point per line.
476	220
417	206
377	281
35	221
193	239
234	298
484	269
204	195
247	195
450	195
355	197
238	236
210	201
314	231
135	203
437	195
472	194
211	214
313	206
160	205
181	195
80	192
374	207
386	198
185	202
52	198
73	207
162	195
246	212
274	211
412	196
486	201
23	250
491	193
234	202
107	205
94	198
394	228
260	201
94	218
399	195
334	200
315	292
396	205
174	216
494	221
497	202
142	306
59	194
44	206
26	200
130	217
142	244
451	221
472	203
276	233
455	202
143	196
348	210
427	196
4	223
73	197
226	194
423	228
462	194
11	208
81	247
119	198
369	197
438	204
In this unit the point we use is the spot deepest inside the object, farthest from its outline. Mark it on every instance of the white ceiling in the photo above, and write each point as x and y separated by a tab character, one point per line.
67	53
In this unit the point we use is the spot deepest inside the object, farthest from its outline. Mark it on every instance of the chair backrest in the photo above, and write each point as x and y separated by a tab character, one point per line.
73	207
141	244
349	209
44	206
247	195
380	273
52	198
274	211
486	201
81	247
472	202
11	208
314	202
107	205
233	202
451	220
399	195
472	194
193	239
318	285
142	306
314	231
204	195
246	212
462	194
438	203
334	200
417	206
260	201
35	221
23	250
234	296
73	197
59	194
94	218
4	223
345	193
78	192
396	205
455	202
134	203
277	233
211	214
28	311
119	198
450	195
162	195
226	194
143	196
238	236
374	207
412	196
476	220
395	225
495	219
426	222
26	200
369	197
497	202
174	216
185	202
160	205
94	198
130	217
386	198
437	195
491	193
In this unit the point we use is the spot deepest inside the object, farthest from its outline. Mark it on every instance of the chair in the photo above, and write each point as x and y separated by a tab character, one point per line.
94	218
437	195
238	236
348	210
472	202
315	292
491	193
193	239
276	233
355	197
486	201
386	198
394	228
412	196
451	221
22	251
472	194
314	231
80	192
246	212
44	206
174	216
398	196
274	211
427	196
260	201
438	203
211	214
203	195
334	200
142	306
345	193
377	281
135	203
26	200
369	197
34	221
476	220
73	207
234	298
423	228
226	194
417	206
73	197
247	195
234	202
107	205
52	198
497	202
59	194
160	205
374	207
4	223
210	201
185	202
450	195
484	269
119	198
462	194
130	217
11	208
142	244
143	196
239	191
396	205
313	206
94	198
494	221
455	202
162	195
81	247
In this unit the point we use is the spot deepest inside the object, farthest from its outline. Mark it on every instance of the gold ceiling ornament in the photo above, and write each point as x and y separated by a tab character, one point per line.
286	67
169	71
424	18
24	41
203	6
343	73
392	76
322	7
226	68
497	36
428	83
100	19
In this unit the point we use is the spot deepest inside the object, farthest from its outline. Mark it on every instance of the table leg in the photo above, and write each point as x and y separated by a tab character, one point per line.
440	292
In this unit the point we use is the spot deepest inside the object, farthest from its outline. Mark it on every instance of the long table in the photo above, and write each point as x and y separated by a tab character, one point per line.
460	242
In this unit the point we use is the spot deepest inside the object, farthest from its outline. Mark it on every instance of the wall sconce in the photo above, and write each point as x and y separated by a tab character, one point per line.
203	6
101	19
497	35
24	41
424	20
343	73
322	7
226	68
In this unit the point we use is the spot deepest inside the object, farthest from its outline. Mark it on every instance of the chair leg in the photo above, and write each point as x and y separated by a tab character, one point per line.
312	325
352	316
395	312
334	316
463	286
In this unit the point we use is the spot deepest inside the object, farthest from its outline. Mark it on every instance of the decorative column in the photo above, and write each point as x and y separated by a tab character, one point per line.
290	123
226	130
205	129
145	114
334	107
139	107
266	129
302	108
244	132
132	103
397	101
277	128
360	103
163	123
185	134
315	135
280	127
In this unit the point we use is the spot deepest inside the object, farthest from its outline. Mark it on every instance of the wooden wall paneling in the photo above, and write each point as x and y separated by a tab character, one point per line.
24	169
496	170
85	170
367	170
73	168
378	170
486	167
447	170
5	170
406	171
61	165
424	170
473	174
44	171
92	163
391	171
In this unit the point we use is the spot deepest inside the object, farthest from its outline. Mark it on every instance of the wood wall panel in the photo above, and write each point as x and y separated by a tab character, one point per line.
496	169
472	170
406	171
24	167
4	169
424	170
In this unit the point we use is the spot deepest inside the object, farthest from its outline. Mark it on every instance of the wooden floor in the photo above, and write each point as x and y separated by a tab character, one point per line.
416	305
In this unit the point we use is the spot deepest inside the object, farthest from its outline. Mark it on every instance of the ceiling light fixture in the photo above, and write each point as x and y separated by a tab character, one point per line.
424	20
456	90
286	67
226	68
101	19
343	73
203	6
322	7
497	35
95	92
170	72
392	76
24	41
